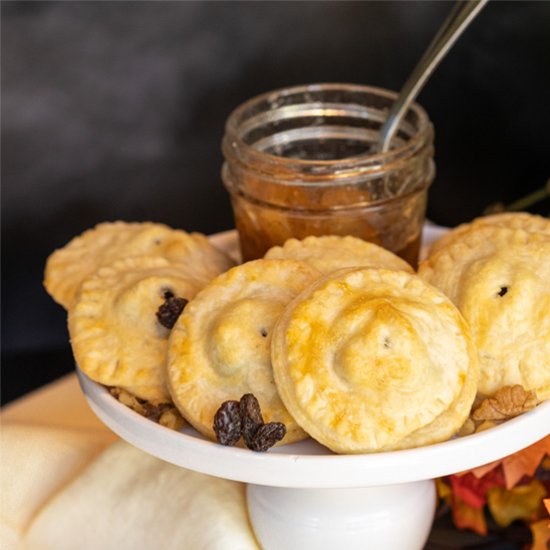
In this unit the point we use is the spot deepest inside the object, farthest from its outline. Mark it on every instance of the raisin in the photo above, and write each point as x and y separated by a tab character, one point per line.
503	290
227	423
244	417
267	435
170	310
251	417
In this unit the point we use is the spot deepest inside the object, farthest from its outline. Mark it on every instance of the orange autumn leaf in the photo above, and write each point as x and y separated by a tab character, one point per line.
517	465
523	502
541	535
525	463
467	517
480	471
546	502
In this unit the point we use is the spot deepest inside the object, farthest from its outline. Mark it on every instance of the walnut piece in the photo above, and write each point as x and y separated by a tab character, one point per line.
507	402
486	425
172	419
163	413
468	428
126	398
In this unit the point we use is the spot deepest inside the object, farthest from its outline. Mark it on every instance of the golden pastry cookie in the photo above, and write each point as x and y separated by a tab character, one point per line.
331	252
67	267
219	348
116	335
373	360
510	220
500	280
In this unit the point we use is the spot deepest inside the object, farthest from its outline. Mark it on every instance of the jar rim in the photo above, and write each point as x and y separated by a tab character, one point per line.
235	145
378	203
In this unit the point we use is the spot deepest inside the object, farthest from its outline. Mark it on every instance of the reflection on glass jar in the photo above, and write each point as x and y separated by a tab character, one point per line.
302	161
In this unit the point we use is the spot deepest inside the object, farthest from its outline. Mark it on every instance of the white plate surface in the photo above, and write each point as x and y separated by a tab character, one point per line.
308	464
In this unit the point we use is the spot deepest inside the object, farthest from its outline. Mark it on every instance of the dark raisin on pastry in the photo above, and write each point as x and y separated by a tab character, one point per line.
267	435
227	423
251	417
170	310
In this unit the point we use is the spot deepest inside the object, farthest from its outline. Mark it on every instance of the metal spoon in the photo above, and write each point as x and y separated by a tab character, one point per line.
462	14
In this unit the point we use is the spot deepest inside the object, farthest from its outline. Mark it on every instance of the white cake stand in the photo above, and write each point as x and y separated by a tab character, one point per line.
303	497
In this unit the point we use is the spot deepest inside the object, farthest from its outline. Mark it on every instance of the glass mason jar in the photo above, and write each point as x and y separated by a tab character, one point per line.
302	161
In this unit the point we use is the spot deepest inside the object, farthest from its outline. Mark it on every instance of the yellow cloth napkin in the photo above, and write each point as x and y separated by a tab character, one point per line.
67	482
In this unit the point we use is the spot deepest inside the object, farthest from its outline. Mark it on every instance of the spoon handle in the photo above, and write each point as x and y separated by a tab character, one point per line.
462	14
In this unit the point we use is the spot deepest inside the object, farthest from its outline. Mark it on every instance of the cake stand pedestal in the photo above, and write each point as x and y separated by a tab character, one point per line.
391	517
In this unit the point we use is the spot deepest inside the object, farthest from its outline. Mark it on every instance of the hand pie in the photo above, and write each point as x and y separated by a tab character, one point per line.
331	252
373	360
67	267
500	280
115	332
219	348
510	220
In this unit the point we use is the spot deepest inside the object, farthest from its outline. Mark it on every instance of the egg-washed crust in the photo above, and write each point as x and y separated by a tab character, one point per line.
500	280
509	220
219	348
115	334
370	360
107	242
331	252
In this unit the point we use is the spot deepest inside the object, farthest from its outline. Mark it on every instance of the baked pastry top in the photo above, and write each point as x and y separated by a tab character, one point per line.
219	348
372	360
509	220
500	280
332	252
107	242
115	332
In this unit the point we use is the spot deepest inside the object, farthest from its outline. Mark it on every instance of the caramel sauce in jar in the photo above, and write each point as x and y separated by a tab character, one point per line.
301	161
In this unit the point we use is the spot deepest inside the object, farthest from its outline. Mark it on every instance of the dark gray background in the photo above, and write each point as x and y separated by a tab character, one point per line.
115	110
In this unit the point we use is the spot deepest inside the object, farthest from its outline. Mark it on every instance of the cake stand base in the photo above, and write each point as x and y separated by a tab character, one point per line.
390	517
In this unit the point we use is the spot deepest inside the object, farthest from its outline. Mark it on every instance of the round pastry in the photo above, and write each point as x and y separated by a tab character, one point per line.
372	360
500	280
332	252
67	267
219	348
510	220
119	325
